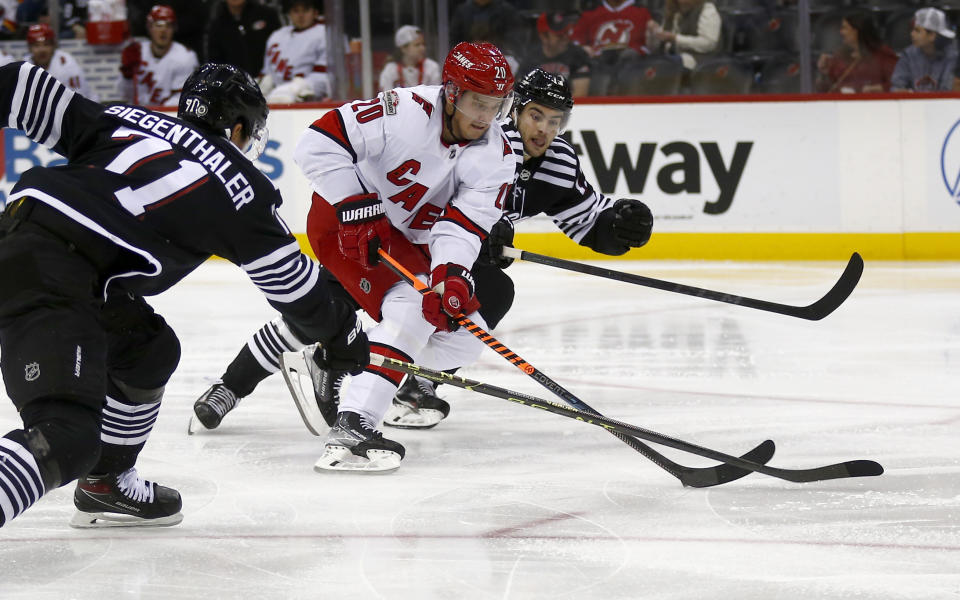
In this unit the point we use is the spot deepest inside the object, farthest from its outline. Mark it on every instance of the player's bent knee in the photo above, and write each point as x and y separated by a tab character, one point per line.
64	438
134	395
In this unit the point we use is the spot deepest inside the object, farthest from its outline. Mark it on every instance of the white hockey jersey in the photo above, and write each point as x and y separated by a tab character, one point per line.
396	75
158	81
445	196
301	53
65	68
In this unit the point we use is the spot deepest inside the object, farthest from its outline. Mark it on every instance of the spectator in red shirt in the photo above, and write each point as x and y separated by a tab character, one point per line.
613	26
863	63
613	33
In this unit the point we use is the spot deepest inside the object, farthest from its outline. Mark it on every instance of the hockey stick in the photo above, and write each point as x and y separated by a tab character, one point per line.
813	312
852	468
688	476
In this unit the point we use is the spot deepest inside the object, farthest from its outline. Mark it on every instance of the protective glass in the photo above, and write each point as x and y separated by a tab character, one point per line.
554	123
487	109
257	143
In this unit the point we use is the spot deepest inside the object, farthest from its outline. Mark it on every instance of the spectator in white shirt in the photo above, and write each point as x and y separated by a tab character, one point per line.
409	65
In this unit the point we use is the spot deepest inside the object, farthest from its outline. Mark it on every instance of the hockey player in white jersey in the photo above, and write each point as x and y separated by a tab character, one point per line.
423	172
295	64
154	73
42	44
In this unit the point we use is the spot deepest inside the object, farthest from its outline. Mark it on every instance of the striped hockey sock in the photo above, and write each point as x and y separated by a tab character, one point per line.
272	340
127	424
20	482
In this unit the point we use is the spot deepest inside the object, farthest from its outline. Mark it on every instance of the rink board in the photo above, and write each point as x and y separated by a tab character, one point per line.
788	179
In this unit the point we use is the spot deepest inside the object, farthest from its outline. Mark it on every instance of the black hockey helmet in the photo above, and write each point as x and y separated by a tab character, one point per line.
216	96
546	89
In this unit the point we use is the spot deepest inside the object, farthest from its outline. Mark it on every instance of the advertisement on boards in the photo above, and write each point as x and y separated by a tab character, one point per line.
770	167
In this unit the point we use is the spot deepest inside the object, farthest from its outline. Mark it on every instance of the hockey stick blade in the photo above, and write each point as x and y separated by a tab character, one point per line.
832	300
701	477
686	475
853	468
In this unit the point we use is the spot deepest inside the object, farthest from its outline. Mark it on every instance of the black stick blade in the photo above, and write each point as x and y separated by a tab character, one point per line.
711	476
851	468
839	293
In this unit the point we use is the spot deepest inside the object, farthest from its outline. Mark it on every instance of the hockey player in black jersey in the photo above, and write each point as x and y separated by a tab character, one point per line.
549	181
143	200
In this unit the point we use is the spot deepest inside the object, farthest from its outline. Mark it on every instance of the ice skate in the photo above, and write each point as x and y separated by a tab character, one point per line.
315	391
354	444
211	407
124	500
416	406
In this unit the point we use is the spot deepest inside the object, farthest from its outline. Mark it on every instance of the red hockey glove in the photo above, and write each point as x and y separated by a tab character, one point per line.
130	60
363	228
452	295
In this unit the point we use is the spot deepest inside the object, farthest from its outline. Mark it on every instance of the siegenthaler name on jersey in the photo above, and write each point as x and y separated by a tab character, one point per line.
235	183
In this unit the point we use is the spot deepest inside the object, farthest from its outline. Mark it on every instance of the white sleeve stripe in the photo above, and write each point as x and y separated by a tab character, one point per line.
38	105
279	272
13	121
38	91
563	183
291	274
300	291
47	129
270	259
558	170
27	111
54	135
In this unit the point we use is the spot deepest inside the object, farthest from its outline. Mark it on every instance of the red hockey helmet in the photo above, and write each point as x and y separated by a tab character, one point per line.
480	68
161	13
40	32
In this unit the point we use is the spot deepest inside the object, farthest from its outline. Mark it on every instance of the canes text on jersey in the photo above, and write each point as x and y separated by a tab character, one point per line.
235	183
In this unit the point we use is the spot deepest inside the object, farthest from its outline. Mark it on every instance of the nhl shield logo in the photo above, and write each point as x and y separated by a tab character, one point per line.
365	285
31	371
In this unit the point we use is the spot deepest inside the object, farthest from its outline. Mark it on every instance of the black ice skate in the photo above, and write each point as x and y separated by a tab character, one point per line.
326	388
354	444
124	500
212	406
416	405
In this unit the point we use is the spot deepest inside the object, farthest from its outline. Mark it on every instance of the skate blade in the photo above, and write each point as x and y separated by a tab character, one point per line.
295	373
195	425
85	520
404	417
339	459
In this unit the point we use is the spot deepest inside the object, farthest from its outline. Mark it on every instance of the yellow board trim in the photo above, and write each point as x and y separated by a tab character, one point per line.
753	246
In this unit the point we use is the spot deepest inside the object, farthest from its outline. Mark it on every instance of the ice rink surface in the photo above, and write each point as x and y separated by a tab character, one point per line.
502	501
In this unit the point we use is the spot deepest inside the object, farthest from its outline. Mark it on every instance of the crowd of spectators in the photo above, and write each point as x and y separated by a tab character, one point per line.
604	47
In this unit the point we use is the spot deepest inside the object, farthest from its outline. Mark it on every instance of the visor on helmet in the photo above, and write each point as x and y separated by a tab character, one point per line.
480	107
552	124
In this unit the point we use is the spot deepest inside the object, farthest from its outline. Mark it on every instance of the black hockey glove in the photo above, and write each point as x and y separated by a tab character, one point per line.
632	223
491	252
626	224
348	350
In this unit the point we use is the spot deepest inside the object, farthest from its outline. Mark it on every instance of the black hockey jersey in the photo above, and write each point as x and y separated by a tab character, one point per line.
168	194
554	184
